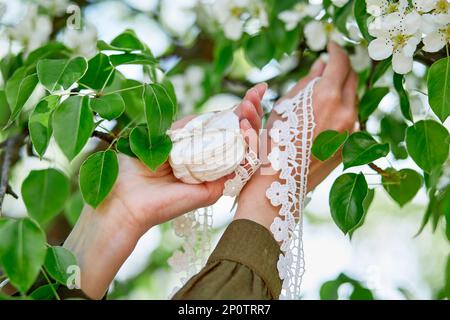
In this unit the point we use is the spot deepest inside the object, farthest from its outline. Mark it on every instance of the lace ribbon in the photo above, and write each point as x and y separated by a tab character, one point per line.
293	136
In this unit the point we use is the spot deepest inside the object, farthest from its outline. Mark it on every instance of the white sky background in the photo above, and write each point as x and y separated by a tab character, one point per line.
383	254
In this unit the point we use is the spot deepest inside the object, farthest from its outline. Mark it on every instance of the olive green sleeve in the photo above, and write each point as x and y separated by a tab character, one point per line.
242	266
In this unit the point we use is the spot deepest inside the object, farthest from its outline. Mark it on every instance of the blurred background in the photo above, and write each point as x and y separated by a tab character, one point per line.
384	259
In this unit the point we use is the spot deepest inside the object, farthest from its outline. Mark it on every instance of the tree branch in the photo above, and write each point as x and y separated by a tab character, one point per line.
377	169
10	156
104	136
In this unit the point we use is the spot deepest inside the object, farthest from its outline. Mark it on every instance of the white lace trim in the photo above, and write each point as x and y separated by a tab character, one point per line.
291	157
195	230
242	174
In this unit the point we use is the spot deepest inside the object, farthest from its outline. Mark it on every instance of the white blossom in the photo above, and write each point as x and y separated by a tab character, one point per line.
56	7
301	10
188	87
237	16
339	3
397	35
82	42
318	33
33	30
378	8
435	23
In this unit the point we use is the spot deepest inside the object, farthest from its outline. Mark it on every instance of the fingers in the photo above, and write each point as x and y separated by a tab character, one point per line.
248	112
317	70
255	95
349	91
338	66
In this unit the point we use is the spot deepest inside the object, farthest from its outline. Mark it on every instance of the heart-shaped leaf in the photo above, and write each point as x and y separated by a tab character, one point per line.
18	90
402	185
97	176
439	88
152	155
109	106
57	261
327	143
427	144
53	189
259	50
22	251
73	123
99	73
346	200
360	148
57	74
393	132
40	125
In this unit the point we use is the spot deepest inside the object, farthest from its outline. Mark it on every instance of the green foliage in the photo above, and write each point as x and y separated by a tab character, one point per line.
73	123
327	143
259	50
97	176
427	143
60	74
346	200
370	101
40	124
403	95
53	188
439	88
57	261
22	251
392	131
361	148
329	290
109	106
402	185
98	74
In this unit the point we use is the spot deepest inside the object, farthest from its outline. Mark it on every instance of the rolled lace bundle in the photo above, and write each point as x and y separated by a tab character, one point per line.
209	147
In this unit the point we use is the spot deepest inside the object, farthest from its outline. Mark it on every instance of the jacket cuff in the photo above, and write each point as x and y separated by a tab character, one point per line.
250	244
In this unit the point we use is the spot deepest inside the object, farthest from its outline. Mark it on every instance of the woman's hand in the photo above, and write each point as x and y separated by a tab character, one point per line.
334	104
103	238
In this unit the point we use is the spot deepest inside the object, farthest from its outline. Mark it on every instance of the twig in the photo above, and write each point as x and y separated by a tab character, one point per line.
103	136
11	192
380	171
10	153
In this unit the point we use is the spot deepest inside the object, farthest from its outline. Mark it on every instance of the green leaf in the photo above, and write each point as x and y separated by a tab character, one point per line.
132	58
5	111
360	148
73	123
18	90
51	50
341	15
327	143
223	56
380	69
439	88
57	74
403	96
73	208
152	155
160	111
44	193
427	145
123	146
97	176
361	16
40	125
98	73
370	101
402	185
127	41
135	108
45	292
346	200
366	205
9	64
109	106
22	251
259	50
56	263
393	132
